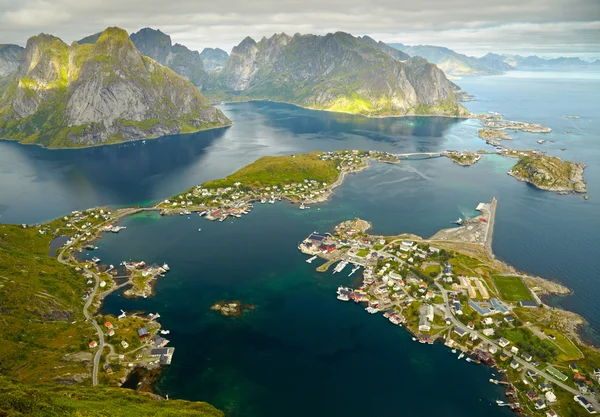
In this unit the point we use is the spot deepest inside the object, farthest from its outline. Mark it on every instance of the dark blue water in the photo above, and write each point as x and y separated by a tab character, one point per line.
302	350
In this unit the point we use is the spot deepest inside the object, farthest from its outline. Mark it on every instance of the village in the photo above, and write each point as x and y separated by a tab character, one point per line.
441	294
234	196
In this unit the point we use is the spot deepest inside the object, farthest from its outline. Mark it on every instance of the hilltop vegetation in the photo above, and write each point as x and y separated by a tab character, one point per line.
280	170
55	400
89	94
550	173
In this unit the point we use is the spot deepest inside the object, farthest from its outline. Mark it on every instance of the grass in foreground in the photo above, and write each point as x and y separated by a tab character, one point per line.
512	288
55	400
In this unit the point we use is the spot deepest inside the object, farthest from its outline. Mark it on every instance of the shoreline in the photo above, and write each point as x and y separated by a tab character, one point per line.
99	145
391	116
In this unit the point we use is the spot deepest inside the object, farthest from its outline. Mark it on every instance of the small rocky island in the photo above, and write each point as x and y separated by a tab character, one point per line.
493	134
515	125
231	308
550	173
464	158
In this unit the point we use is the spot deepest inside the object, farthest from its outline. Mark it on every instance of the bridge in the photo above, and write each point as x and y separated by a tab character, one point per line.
418	155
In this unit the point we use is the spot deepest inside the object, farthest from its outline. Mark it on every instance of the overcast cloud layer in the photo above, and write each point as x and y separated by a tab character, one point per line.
543	27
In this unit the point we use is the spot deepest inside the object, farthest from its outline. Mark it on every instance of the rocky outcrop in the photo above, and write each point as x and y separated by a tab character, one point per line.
495	62
105	92
393	52
550	173
10	57
336	72
213	59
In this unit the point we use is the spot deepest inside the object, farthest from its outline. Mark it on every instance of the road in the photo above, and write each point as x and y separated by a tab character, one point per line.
524	364
90	299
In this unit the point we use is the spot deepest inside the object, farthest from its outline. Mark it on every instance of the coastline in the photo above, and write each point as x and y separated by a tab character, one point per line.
99	145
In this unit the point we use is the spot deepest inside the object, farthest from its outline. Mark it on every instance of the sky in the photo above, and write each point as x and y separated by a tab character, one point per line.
474	27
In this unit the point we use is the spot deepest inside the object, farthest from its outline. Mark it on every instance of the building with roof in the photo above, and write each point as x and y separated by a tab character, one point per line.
165	355
143	332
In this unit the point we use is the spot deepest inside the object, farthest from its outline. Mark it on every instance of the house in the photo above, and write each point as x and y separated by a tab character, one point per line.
460	331
503	356
488	321
514	364
509	319
573	367
550	397
493	349
581	400
551	413
514	349
165	355
503	342
488	332
143	333
470	325
526	356
457	308
528	304
545	387
93	344
111	332
424	325
159	341
124	344
582	387
540	404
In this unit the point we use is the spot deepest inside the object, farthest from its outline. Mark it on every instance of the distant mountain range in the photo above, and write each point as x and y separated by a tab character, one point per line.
106	92
457	65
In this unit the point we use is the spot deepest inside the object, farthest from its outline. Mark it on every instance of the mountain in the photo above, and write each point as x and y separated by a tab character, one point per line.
496	62
335	72
533	62
213	58
81	95
449	61
10	56
393	52
158	46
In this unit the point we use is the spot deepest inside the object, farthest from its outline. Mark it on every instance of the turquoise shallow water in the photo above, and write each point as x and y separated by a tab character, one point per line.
302	352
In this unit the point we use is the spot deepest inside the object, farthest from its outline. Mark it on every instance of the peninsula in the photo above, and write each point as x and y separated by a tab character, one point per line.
451	288
550	173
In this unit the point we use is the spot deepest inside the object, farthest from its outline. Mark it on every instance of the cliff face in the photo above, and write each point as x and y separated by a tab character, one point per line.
10	57
158	46
97	93
336	72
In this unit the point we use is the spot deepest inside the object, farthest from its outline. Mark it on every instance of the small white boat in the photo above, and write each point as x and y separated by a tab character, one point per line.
414	339
165	331
309	260
302	206
199	230
453	350
166	267
462	355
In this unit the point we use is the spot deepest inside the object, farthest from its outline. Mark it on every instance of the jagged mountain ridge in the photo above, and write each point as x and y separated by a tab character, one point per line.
10	57
213	58
105	92
449	61
335	72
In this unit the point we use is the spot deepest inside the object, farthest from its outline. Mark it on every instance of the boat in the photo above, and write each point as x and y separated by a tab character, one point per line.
343	297
203	213
453	350
414	339
468	359
356	268
459	222
166	267
122	315
271	201
263	201
340	266
309	260
199	230
302	206
462	355
493	381
165	331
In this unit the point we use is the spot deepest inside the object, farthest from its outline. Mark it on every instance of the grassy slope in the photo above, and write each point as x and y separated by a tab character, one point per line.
48	401
39	300
280	170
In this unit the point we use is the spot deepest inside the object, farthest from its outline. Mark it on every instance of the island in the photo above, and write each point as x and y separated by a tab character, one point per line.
550	173
464	158
493	134
233	308
451	288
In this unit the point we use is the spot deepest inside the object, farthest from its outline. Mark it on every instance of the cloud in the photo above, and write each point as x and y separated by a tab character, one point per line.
470	26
